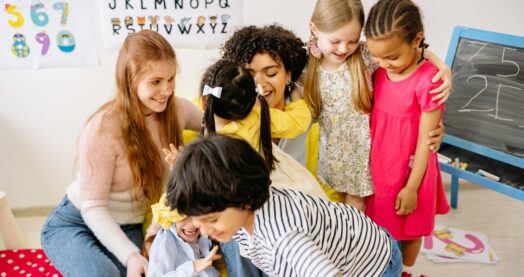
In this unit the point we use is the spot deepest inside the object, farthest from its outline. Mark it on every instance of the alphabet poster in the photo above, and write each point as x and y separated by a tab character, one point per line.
46	33
184	23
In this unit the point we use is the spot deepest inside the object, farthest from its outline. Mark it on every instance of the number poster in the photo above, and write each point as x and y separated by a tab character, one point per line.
184	23
46	33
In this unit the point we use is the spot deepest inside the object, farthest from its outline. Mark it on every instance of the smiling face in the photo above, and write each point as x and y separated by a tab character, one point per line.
221	226
338	45
396	55
272	76
155	86
186	230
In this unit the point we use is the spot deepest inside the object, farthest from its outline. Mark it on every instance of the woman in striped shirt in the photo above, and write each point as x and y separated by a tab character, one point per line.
224	185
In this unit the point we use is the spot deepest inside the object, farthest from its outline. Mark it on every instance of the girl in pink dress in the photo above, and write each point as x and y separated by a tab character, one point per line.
406	175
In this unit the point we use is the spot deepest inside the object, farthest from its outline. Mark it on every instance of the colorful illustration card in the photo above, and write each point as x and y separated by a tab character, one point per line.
453	245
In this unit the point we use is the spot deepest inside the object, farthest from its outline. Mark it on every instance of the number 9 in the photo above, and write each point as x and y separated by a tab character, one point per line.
43	39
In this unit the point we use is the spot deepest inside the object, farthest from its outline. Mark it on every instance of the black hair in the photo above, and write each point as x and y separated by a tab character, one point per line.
215	173
281	44
237	99
395	17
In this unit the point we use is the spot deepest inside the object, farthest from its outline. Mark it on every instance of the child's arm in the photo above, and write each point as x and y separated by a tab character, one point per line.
444	74
407	197
291	122
311	261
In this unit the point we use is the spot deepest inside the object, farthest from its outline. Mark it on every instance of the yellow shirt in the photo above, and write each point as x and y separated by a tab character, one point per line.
290	123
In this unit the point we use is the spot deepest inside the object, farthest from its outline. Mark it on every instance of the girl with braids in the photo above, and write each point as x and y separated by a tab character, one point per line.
97	228
406	175
337	90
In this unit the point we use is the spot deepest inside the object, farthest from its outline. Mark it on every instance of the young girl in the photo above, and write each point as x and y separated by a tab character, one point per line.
275	57
406	175
96	229
179	249
225	186
338	92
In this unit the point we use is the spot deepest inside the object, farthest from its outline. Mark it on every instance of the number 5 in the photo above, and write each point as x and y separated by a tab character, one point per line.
512	62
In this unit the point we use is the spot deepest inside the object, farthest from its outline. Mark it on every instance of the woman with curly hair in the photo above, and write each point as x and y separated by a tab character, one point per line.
276	58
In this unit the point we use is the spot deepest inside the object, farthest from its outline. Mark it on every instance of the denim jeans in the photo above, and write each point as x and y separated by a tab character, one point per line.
238	266
394	268
73	248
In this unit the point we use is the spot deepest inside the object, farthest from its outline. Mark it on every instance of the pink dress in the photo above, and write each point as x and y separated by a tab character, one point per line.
394	131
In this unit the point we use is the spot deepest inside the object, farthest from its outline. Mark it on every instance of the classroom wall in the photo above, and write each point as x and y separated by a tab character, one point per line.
42	111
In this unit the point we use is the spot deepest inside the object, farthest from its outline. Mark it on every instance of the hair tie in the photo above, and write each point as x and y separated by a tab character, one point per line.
216	91
260	90
423	46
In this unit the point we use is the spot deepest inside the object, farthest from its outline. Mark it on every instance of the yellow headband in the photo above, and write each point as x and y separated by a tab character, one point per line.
163	214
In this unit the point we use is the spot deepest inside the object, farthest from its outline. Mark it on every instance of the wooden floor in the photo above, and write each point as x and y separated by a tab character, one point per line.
500	217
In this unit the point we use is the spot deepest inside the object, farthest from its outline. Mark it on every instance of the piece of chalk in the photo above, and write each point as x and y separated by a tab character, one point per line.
489	175
443	158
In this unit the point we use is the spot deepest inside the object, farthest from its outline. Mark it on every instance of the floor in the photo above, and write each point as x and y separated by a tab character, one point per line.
500	217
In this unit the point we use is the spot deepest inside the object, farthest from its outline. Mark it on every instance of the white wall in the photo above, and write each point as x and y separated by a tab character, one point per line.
42	111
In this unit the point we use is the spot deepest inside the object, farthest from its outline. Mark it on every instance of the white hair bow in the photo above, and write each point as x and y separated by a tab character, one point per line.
216	91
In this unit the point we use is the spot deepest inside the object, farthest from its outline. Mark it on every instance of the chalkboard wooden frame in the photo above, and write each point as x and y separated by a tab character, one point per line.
455	172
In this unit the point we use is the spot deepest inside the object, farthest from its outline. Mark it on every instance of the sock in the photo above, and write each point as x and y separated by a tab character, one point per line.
408	269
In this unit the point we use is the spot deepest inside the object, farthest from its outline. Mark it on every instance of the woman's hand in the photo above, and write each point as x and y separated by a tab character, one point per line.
202	264
136	265
171	155
406	201
445	89
435	137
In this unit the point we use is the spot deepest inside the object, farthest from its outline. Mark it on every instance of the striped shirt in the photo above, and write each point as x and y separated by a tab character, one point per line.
299	235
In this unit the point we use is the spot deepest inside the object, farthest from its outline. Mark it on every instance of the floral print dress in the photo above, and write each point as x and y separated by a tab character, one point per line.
345	143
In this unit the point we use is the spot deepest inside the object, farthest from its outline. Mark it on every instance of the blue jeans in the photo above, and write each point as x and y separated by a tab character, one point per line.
73	248
394	268
238	266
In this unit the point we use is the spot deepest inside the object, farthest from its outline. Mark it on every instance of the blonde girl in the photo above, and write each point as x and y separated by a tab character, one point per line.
338	92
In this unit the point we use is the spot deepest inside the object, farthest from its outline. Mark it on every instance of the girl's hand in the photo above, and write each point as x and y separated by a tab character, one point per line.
136	265
435	137
201	264
445	89
171	155
406	201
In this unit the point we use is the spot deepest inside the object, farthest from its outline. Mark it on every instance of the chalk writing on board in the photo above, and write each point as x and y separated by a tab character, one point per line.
487	103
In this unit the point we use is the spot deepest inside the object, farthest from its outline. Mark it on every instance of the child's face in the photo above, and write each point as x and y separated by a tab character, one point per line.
395	54
155	86
186	230
338	45
272	76
221	226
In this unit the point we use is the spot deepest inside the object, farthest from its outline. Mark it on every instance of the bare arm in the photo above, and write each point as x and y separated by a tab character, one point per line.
407	197
444	74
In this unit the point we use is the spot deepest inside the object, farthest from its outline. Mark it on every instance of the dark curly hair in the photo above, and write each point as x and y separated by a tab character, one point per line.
281	44
215	173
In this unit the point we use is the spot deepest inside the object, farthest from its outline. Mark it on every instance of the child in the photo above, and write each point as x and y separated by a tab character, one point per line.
96	229
225	186
337	90
275	57
229	97
406	175
179	249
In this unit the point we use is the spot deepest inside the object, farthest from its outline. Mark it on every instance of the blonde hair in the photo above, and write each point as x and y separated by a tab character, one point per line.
134	60
328	16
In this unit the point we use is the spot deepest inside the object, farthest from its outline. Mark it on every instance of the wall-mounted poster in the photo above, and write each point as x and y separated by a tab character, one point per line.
184	23
46	33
